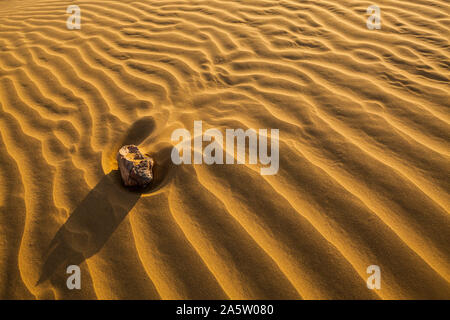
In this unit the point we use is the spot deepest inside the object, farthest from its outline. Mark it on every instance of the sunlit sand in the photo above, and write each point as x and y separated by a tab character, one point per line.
363	179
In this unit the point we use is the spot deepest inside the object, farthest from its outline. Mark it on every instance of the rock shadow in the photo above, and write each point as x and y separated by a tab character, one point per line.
93	222
90	225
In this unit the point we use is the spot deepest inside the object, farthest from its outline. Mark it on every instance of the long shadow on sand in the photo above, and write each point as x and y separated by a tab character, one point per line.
99	214
90	225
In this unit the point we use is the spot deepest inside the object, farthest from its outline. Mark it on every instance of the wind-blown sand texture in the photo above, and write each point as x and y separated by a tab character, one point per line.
364	173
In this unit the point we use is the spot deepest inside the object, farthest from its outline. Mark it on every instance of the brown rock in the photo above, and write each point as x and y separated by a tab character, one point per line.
136	169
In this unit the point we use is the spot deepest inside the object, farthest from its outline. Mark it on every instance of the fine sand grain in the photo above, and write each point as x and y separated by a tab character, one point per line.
364	174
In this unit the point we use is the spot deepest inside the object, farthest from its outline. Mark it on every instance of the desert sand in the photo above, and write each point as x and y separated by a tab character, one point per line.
364	148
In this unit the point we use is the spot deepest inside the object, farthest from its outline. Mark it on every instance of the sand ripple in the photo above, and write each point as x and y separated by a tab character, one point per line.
364	149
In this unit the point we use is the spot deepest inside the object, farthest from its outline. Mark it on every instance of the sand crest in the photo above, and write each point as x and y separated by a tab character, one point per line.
363	119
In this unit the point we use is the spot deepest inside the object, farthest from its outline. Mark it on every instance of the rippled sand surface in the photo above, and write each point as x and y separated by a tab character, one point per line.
364	174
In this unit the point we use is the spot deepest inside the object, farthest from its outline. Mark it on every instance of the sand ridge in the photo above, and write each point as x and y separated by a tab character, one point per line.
364	149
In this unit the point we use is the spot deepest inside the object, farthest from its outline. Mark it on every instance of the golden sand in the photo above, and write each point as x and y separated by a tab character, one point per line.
364	174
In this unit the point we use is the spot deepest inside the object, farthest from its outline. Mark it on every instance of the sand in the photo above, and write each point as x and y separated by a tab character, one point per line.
364	173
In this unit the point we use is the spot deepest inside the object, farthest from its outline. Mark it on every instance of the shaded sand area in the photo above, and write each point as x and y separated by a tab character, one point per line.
364	174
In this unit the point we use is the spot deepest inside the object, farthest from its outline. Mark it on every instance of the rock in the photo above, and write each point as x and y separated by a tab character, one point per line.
136	169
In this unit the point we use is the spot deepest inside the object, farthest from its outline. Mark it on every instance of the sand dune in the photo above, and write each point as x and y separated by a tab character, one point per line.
364	173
